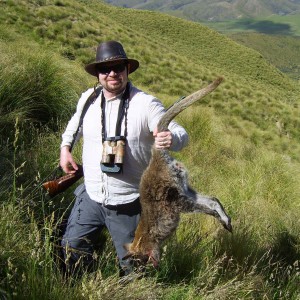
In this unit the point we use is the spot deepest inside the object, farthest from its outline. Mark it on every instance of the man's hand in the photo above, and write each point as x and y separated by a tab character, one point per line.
66	160
163	140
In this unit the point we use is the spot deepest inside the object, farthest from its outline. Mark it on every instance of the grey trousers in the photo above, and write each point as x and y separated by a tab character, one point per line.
86	221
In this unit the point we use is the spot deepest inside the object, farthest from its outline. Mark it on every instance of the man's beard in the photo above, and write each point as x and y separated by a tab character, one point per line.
116	88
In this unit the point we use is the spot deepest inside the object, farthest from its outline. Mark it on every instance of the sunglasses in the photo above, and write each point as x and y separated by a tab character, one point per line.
107	69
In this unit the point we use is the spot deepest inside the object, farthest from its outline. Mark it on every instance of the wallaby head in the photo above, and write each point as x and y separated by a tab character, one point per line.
164	194
142	257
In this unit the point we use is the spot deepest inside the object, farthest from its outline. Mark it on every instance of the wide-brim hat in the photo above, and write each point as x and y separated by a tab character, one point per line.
110	51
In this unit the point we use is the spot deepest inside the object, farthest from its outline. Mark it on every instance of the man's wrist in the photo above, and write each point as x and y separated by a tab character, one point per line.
64	149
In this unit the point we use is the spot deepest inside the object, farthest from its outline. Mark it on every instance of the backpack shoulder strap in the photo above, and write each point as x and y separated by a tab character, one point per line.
86	106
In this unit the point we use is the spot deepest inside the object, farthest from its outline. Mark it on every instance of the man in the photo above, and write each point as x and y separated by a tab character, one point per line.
121	119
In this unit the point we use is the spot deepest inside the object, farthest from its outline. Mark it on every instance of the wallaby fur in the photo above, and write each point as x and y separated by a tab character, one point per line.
165	193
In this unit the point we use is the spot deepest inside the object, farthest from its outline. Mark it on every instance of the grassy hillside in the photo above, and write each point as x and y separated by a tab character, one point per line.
280	20
275	37
244	148
280	51
248	75
176	57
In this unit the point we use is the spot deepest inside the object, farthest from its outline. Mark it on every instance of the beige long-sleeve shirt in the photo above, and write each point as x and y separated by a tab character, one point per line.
143	115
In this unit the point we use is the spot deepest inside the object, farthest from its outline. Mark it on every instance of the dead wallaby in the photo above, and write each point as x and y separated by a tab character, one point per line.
165	193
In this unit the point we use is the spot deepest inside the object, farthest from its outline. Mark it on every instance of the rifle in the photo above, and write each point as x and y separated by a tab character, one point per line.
58	185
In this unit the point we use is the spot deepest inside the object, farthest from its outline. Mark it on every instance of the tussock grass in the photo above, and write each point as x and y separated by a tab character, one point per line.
33	88
34	85
236	153
279	50
260	259
37	90
176	57
27	254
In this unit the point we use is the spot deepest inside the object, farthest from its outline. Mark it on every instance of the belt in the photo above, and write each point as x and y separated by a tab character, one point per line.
127	206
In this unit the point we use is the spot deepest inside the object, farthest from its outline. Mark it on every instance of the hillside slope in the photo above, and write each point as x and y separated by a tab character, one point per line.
244	148
278	19
176	56
280	51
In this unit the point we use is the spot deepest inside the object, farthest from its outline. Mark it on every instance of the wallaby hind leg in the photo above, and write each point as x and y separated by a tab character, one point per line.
195	202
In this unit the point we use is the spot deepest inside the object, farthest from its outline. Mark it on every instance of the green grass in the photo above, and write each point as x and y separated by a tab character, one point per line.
275	37
280	51
236	153
259	260
176	58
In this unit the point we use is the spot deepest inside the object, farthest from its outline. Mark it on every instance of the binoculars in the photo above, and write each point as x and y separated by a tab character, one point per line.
113	154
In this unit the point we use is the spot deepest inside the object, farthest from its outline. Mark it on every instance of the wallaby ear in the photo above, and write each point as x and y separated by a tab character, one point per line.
154	257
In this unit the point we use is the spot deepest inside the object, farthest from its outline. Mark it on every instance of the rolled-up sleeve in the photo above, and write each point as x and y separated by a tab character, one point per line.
179	134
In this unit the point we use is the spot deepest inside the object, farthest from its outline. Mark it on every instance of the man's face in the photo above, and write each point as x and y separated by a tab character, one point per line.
113	77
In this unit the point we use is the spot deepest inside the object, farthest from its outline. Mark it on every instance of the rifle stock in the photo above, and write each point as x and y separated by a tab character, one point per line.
59	185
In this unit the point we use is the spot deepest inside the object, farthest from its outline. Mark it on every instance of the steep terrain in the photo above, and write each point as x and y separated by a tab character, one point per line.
244	148
280	51
270	25
176	57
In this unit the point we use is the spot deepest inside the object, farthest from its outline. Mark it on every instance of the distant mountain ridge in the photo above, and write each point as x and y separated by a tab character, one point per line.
270	27
214	10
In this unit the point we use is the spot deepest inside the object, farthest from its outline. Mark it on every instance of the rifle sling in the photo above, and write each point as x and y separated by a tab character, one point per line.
86	106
